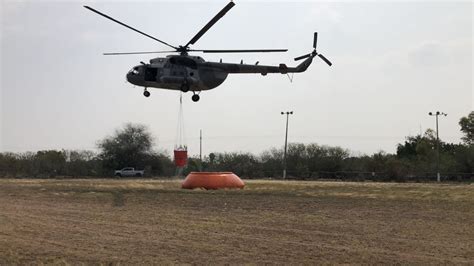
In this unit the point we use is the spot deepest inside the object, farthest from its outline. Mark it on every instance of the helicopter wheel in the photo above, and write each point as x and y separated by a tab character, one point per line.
146	93
195	98
185	87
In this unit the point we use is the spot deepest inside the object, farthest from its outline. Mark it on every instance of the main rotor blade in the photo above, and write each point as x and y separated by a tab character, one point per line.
242	51
125	25
315	40
210	23
128	53
325	59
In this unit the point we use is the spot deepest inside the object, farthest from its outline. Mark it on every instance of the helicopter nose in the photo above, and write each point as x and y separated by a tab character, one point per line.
131	78
134	76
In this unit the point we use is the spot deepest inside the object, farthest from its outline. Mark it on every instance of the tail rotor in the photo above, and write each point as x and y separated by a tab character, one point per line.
314	53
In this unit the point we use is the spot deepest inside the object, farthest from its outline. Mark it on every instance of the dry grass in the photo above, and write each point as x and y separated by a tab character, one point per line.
150	221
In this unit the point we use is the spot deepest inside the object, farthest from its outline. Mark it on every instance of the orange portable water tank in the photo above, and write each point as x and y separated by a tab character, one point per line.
212	180
180	158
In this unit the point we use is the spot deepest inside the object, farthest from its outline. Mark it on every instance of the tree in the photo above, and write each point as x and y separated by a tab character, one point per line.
8	164
272	162
81	163
130	146
50	163
467	128
296	160
464	156
325	158
408	149
242	164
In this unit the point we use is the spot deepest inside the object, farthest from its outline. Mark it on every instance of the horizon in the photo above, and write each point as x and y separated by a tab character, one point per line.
169	152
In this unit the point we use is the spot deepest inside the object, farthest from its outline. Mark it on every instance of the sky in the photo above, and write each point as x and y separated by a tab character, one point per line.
393	62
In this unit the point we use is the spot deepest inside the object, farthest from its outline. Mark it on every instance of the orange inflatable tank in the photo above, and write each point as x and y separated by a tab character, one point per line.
212	180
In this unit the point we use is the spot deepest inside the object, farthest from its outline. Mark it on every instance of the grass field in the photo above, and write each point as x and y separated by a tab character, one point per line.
151	221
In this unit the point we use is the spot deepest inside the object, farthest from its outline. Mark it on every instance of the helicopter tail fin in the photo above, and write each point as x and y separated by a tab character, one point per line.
305	64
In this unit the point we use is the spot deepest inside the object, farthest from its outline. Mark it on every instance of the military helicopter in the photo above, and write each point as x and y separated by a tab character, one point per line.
192	73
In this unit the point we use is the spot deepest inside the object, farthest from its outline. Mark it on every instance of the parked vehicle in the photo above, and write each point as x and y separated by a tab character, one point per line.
129	171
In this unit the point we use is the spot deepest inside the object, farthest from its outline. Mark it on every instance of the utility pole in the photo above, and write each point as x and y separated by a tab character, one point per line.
438	113
286	142
200	150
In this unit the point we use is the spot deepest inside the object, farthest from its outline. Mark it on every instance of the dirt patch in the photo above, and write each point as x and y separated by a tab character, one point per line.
149	221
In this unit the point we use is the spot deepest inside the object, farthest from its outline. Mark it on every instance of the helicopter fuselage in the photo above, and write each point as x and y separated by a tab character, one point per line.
183	72
173	71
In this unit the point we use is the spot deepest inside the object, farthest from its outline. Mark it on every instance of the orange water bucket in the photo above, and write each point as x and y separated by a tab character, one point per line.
212	180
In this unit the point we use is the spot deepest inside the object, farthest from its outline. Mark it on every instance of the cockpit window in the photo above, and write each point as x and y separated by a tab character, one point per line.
134	71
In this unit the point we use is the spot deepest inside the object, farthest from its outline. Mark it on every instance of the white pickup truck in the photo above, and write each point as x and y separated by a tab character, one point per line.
129	171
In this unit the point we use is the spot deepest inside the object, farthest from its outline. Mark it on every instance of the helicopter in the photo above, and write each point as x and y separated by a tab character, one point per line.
185	73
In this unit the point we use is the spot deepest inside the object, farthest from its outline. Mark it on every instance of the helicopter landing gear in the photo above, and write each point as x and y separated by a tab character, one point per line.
195	97
184	87
146	93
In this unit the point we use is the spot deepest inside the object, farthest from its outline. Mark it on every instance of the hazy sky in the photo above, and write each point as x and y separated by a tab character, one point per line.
393	63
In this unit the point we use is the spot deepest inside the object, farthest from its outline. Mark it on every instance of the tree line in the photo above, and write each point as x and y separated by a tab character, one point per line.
132	145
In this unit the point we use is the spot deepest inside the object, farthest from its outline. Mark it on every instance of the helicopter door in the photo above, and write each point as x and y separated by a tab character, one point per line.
150	74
